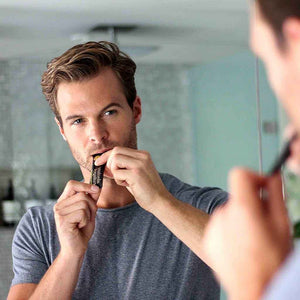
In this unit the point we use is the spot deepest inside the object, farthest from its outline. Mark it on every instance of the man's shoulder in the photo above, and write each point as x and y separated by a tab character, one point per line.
205	198
41	215
41	211
171	181
175	184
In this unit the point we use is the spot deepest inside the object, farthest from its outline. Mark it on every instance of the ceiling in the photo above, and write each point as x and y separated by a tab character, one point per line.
183	31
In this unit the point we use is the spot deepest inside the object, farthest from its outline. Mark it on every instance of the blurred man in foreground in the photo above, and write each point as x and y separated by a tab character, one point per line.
248	240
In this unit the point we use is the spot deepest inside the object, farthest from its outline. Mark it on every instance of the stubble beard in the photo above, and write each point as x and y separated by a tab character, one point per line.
86	162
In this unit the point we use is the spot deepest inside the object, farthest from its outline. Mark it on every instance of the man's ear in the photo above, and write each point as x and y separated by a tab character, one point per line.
61	130
291	32
137	109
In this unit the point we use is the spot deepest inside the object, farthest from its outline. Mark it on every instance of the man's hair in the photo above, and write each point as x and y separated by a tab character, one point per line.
276	12
85	61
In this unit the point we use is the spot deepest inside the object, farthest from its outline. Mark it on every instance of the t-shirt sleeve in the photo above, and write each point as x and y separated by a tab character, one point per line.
29	264
206	199
209	198
285	283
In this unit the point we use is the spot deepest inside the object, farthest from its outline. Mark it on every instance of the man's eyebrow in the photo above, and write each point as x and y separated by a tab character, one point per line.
71	117
110	105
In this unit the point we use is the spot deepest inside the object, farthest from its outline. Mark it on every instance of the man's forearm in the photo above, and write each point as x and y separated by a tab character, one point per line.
182	219
60	280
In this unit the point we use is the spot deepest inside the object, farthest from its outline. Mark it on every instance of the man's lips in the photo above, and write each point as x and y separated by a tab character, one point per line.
101	151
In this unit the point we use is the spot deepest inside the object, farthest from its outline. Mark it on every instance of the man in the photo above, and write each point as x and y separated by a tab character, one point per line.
248	240
107	244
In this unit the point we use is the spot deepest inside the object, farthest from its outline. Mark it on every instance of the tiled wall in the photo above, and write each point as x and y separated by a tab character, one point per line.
6	273
6	144
32	148
165	129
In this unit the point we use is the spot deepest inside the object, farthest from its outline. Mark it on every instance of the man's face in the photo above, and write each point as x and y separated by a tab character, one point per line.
264	45
96	117
281	65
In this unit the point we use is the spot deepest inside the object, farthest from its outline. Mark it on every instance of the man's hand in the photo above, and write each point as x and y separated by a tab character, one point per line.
293	162
75	213
247	239
135	170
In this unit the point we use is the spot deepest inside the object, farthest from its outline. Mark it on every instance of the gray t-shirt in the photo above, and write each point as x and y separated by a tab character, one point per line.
131	254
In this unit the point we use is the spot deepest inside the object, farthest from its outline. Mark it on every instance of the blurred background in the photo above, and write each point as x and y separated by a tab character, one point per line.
198	81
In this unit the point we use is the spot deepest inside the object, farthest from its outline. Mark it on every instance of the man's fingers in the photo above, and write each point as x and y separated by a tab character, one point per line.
245	186
102	159
275	194
95	195
276	204
121	161
108	173
139	154
78	210
74	187
117	161
121	177
78	201
79	218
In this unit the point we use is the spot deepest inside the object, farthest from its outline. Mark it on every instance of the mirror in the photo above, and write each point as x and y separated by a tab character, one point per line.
195	75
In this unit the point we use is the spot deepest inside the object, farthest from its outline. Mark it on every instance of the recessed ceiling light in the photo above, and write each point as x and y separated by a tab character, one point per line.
101	32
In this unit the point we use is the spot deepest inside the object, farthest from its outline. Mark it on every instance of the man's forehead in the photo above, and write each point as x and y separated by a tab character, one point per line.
102	86
106	77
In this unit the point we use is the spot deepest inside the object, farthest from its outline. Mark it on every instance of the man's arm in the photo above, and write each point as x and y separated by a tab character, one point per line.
59	281
21	291
74	214
135	170
184	220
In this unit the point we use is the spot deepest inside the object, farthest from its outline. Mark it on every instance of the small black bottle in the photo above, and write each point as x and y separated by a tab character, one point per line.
52	195
10	208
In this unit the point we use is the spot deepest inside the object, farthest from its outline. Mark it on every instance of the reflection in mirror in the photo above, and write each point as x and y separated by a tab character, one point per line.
195	76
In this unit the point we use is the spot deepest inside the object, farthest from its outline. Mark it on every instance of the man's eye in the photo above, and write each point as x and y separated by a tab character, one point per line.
77	121
110	112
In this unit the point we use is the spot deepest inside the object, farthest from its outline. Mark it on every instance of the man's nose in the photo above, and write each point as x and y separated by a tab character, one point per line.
97	132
